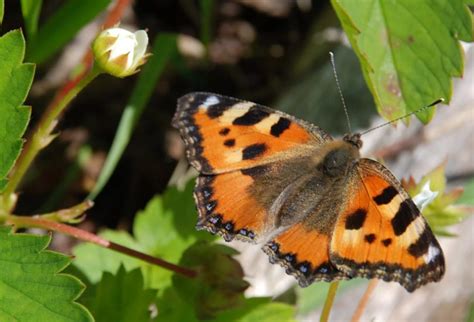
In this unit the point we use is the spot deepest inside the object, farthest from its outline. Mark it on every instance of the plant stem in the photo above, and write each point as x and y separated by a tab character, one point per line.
329	301
42	136
364	300
25	221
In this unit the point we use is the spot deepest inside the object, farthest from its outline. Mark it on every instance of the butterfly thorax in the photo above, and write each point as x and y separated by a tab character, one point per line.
341	155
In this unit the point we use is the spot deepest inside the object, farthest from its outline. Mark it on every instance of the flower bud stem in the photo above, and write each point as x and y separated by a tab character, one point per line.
329	301
42	136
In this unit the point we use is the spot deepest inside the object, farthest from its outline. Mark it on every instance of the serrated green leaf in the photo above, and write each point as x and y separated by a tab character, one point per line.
55	32
31	10
15	82
408	50
31	287
119	297
164	229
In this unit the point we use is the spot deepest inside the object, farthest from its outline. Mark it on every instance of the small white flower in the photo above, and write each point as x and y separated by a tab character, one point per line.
425	196
120	52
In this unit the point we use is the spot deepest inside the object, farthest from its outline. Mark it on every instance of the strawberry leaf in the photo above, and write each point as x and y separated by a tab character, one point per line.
31	287
15	81
119	297
408	50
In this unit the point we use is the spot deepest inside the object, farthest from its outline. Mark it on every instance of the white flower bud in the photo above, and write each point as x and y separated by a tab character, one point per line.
120	52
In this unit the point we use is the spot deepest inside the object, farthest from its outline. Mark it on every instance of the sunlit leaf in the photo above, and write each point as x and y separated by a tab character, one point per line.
442	212
31	287
408	50
165	229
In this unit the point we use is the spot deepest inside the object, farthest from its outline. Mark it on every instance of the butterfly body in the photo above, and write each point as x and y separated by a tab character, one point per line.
321	211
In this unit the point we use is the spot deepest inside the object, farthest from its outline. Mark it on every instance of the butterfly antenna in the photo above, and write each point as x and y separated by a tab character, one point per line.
440	100
333	63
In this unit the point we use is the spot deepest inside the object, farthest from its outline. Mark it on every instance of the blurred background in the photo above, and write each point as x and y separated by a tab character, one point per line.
276	53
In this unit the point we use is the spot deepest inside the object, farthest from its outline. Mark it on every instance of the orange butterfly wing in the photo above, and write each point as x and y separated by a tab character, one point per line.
227	208
381	233
224	134
229	141
304	253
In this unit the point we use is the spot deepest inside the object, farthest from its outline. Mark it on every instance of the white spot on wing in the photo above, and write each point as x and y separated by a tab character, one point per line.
433	252
211	100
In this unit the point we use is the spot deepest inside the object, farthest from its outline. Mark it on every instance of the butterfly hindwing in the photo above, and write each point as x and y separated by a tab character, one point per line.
304	252
224	134
381	233
226	206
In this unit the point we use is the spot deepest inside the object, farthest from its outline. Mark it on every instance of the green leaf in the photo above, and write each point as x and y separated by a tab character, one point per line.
62	27
169	304
2	8
31	10
167	225
442	211
259	309
207	8
119	297
31	287
408	50
219	284
93	260
15	82
164	49
313	296
468	196
164	229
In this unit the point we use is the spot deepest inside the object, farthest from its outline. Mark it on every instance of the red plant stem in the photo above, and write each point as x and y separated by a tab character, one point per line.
25	221
364	300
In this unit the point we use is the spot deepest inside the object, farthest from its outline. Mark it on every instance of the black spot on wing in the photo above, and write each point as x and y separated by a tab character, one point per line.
356	219
229	142
386	196
224	131
370	238
420	247
253	116
404	216
386	242
253	151
279	127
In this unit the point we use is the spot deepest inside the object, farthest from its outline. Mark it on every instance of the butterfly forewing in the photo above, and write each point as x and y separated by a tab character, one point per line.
224	134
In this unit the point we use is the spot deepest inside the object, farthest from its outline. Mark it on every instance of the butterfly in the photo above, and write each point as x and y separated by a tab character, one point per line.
319	209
